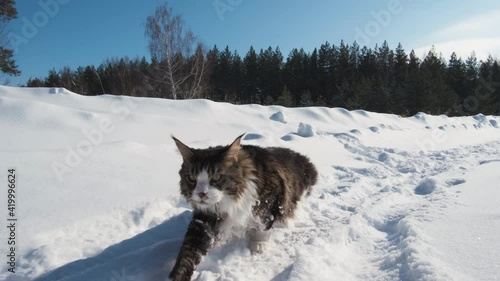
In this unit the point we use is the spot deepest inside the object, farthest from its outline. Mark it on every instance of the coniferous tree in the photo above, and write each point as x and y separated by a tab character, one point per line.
296	72
237	78
436	96
326	69
399	92
53	79
306	99
269	67
35	82
8	12
414	85
250	90
456	75
286	98
313	76
224	66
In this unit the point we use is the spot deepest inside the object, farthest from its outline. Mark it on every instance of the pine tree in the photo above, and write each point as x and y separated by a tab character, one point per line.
296	72
314	73
437	97
326	72
53	79
35	82
456	75
368	63
237	78
8	12
472	70
306	99
399	93
223	85
269	66
363	91
286	98
213	62
344	68
414	85
250	90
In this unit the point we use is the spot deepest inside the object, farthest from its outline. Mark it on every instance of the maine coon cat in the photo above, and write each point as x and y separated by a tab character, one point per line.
237	190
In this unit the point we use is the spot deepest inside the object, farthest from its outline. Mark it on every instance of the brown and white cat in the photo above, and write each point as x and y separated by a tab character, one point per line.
237	190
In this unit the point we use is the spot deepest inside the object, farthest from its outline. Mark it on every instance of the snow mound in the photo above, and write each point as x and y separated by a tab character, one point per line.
427	186
306	130
252	136
480	118
279	117
494	123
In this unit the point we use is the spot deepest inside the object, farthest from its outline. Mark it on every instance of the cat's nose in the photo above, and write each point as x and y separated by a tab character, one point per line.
202	194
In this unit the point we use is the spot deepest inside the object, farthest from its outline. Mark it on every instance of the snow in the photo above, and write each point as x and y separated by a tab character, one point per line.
474	222
98	198
279	117
306	130
427	186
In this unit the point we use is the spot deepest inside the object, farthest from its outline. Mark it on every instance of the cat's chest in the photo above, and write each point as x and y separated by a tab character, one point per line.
238	215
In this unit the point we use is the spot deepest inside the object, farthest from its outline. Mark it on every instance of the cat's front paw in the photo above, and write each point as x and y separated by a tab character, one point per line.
178	277
257	247
257	240
181	273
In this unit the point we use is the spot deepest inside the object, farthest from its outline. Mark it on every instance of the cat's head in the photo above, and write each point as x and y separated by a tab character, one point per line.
211	175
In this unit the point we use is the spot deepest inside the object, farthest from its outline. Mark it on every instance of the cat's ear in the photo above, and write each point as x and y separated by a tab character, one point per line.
234	149
185	151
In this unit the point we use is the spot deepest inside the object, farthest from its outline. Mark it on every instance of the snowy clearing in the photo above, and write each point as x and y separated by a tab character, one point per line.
97	192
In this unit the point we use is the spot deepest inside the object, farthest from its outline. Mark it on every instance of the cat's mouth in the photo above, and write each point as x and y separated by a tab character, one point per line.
201	202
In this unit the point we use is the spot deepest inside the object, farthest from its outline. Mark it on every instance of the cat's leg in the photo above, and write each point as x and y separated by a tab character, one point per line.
200	236
257	240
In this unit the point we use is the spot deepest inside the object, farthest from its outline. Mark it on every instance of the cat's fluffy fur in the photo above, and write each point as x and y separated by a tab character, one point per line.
234	189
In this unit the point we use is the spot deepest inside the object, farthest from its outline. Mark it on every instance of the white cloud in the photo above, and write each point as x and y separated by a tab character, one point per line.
479	34
485	25
483	47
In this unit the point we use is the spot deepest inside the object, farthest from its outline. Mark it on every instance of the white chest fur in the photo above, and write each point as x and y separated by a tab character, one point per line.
239	216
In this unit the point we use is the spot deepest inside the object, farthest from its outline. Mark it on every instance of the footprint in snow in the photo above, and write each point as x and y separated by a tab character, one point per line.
488	161
427	186
453	182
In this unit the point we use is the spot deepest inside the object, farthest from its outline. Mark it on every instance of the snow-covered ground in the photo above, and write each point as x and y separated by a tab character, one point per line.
97	190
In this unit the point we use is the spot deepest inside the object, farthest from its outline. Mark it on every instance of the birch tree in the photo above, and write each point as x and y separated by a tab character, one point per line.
181	67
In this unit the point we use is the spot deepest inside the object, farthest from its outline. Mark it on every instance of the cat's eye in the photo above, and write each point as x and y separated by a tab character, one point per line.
216	177
191	178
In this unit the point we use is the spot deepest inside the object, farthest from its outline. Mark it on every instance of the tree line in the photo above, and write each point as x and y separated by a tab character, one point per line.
378	79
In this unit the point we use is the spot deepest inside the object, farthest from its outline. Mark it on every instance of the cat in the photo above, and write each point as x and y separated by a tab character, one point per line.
237	190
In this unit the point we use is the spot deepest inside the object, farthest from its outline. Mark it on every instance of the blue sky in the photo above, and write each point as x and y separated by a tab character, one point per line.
82	32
